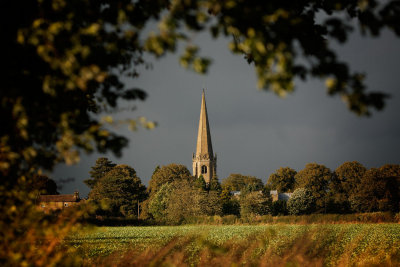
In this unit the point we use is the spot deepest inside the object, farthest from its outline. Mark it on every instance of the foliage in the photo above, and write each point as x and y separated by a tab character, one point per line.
378	190
44	184
167	174
64	59
230	204
210	204
119	191
316	178
344	182
180	200
158	204
25	230
214	184
99	170
61	60
282	180
279	207
255	203
200	183
255	245
238	182
186	200
301	202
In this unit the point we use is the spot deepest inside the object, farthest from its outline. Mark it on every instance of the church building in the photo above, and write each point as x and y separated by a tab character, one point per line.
204	161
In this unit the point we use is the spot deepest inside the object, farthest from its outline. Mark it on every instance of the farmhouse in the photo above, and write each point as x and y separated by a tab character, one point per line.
49	203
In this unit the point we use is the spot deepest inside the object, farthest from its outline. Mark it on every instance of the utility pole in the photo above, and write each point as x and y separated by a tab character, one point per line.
138	209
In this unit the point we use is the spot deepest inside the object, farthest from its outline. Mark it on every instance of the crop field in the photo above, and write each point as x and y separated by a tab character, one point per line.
205	245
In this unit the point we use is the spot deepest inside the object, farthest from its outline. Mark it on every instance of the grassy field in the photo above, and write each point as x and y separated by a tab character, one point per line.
204	245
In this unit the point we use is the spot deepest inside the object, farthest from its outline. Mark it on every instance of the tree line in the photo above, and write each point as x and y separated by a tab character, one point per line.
174	195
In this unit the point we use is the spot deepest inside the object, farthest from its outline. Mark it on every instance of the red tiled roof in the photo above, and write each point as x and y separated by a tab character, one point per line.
58	198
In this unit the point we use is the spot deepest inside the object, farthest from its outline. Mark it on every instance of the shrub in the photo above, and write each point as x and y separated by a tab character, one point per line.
301	202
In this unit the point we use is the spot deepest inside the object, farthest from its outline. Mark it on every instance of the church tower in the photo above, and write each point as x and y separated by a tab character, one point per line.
204	161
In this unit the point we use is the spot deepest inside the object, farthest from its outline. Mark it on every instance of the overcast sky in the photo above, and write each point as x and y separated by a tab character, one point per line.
255	132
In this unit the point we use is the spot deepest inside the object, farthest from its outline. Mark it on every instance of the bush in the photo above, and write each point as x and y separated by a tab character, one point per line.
301	202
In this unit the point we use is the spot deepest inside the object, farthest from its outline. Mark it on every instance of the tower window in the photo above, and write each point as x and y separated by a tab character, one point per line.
203	169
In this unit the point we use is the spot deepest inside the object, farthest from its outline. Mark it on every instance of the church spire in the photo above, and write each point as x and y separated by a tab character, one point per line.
204	161
204	146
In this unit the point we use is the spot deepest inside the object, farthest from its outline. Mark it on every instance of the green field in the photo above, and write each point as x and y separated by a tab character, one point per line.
318	244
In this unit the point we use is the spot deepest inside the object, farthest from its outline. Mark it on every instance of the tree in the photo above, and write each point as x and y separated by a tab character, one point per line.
315	178
200	183
168	174
378	190
255	203
214	184
238	182
344	182
99	170
120	190
279	207
156	169
282	180
158	204
302	201
210	203
44	185
186	201
391	198
230	204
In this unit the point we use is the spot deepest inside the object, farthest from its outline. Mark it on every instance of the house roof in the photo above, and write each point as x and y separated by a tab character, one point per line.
59	198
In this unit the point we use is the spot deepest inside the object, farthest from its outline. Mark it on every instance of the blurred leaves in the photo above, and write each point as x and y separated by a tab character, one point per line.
66	60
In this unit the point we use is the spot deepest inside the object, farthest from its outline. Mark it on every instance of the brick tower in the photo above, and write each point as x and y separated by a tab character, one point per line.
204	161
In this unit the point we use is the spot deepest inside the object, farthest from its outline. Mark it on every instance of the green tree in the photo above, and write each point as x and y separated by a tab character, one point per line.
200	183
119	190
238	182
344	182
302	201
255	203
214	184
210	203
316	178
99	170
282	180
230	204
168	174
181	200
158	204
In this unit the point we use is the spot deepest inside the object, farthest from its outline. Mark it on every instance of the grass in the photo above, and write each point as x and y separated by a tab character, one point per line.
205	245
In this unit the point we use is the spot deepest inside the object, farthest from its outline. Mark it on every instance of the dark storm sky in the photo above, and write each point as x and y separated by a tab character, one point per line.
256	132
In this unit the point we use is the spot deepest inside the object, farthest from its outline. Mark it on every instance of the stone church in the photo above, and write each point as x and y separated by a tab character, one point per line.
204	160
